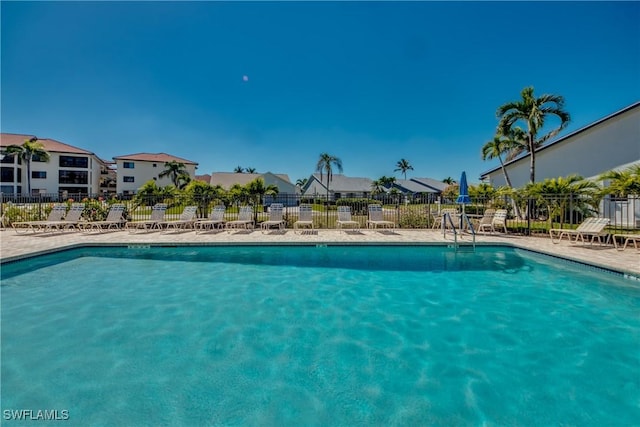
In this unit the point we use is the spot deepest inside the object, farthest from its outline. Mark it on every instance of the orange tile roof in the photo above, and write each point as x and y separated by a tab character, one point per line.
50	145
154	157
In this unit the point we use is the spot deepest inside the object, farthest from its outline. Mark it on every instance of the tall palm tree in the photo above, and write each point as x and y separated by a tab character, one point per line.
325	164
505	144
403	166
498	146
533	113
26	152
176	171
449	181
239	169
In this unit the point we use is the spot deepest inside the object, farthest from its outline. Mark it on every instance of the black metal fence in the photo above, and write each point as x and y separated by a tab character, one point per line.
525	216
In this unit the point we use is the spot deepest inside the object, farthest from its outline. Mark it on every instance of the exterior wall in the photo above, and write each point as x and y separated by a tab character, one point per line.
142	172
588	153
51	183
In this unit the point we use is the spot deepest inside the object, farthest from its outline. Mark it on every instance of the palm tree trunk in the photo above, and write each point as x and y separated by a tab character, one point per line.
516	209
28	161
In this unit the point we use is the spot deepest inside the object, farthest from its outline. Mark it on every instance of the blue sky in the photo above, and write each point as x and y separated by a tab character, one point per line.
368	82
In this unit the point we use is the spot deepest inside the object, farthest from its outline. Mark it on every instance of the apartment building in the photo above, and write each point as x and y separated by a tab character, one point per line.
134	170
69	171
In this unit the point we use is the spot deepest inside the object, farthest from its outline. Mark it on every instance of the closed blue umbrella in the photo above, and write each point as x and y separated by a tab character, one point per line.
464	191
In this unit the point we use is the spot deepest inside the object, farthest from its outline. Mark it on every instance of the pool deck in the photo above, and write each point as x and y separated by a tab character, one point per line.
16	246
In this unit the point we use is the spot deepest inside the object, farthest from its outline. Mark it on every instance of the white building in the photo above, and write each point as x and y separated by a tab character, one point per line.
134	170
69	171
596	148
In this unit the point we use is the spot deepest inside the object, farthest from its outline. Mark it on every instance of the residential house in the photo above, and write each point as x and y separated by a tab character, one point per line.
589	151
286	190
427	188
340	186
69	171
134	170
611	143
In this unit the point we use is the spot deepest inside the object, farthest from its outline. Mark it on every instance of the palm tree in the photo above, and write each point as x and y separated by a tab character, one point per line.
325	165
26	152
449	181
622	183
177	172
403	166
563	194
301	182
238	169
501	144
376	187
532	112
250	170
257	190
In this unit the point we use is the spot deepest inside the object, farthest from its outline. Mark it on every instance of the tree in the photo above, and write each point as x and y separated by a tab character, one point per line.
622	183
564	195
533	113
503	144
377	187
449	181
177	172
250	170
403	166
238	169
256	190
202	194
29	149
325	164
301	182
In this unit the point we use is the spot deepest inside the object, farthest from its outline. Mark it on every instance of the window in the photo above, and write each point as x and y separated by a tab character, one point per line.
128	179
38	174
6	189
155	165
7	158
7	175
74	162
73	177
37	158
128	165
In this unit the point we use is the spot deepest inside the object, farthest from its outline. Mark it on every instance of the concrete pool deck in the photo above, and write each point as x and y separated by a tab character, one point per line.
15	246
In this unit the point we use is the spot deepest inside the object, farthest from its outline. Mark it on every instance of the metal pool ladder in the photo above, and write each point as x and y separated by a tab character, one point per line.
463	219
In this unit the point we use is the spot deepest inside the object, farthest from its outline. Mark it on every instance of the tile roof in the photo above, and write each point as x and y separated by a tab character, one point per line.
204	178
50	145
154	157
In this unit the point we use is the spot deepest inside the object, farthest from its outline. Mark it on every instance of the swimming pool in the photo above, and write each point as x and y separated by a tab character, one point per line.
304	335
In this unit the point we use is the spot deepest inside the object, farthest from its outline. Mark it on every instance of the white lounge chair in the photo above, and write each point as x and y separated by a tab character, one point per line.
153	223
275	218
245	220
186	220
438	220
590	227
114	220
498	221
376	218
486	222
57	213
72	219
215	220
345	220
305	217
626	238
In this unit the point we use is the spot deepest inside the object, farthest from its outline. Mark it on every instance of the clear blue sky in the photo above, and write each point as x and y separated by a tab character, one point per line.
368	82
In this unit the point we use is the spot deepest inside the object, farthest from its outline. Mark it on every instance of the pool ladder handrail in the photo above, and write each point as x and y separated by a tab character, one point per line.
463	218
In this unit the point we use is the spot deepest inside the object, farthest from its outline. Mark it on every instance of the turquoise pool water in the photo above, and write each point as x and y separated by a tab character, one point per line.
308	336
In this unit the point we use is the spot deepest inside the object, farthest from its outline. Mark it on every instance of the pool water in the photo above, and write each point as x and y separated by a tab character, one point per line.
317	336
